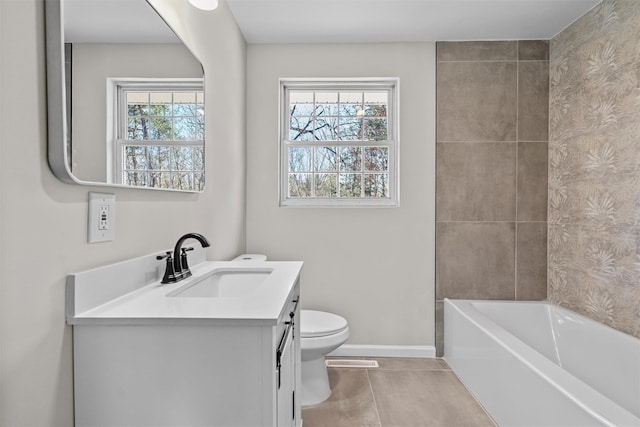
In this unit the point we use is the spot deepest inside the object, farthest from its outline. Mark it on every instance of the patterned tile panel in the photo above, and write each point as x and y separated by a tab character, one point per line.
594	166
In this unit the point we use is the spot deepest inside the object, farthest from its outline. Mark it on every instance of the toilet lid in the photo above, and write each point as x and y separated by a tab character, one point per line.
320	323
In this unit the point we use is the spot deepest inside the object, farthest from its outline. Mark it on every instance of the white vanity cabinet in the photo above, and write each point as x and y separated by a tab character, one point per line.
288	370
182	370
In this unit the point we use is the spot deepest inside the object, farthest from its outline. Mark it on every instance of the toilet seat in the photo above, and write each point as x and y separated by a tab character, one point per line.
320	324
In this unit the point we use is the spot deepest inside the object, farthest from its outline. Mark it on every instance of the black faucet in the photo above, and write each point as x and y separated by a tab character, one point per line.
177	268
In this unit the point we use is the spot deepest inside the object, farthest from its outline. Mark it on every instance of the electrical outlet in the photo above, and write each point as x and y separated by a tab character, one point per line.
102	217
103	220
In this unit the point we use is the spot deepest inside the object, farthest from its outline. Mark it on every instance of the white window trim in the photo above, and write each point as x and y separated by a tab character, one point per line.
116	102
393	130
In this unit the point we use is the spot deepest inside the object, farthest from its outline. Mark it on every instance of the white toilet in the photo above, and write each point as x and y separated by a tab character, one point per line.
320	334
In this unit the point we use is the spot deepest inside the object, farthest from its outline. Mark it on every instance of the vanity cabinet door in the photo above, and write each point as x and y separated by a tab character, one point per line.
286	379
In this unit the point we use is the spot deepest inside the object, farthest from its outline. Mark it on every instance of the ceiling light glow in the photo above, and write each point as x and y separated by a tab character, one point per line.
204	4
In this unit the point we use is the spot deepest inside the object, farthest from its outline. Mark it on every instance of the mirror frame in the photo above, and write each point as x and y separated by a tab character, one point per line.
58	146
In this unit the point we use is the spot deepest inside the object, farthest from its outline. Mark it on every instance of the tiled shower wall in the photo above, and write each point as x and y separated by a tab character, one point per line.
491	196
594	166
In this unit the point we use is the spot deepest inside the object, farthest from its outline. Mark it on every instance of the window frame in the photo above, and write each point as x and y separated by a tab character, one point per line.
389	84
117	127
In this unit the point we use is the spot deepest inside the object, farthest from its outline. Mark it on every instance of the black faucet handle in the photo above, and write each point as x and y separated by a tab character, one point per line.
184	263
169	271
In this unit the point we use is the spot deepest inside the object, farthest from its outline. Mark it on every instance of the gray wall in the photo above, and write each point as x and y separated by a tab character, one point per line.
382	282
43	222
491	197
594	166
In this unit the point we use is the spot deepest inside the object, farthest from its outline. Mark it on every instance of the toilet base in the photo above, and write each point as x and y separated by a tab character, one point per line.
315	382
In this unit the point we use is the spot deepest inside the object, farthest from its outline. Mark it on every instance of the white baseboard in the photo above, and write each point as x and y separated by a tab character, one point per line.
419	351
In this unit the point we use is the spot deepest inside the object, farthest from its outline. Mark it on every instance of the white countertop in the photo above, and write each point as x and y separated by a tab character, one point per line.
149	304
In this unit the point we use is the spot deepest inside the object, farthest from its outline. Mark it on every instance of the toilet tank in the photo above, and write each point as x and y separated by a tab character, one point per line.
250	257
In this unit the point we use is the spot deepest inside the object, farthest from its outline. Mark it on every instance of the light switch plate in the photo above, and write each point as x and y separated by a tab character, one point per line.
102	217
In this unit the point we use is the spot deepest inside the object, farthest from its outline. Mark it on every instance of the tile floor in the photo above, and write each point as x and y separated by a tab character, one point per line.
400	393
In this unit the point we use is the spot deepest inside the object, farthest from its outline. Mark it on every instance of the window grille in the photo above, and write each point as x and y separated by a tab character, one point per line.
159	139
339	143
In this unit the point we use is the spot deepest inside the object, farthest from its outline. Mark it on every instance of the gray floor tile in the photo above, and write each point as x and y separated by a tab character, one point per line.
351	402
403	392
424	398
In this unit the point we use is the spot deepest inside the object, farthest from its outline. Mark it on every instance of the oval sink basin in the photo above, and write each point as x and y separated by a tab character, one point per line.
224	283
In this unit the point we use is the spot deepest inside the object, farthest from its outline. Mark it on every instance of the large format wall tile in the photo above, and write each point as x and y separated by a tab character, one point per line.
533	50
475	260
477	51
476	101
476	181
492	156
533	101
531	277
532	181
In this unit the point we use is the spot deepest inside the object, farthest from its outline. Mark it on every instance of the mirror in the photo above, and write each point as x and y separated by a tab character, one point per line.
125	97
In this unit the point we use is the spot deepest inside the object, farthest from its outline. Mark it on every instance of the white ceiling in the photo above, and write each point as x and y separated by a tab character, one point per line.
352	21
337	21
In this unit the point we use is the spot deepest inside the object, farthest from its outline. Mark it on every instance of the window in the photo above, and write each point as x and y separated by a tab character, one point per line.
338	143
159	133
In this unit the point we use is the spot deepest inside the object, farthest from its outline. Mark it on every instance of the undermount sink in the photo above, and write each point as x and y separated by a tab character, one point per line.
224	283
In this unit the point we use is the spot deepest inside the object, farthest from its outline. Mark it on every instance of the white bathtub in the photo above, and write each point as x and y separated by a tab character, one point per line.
538	364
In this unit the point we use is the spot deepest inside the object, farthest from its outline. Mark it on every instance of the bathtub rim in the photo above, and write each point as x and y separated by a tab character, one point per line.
599	406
